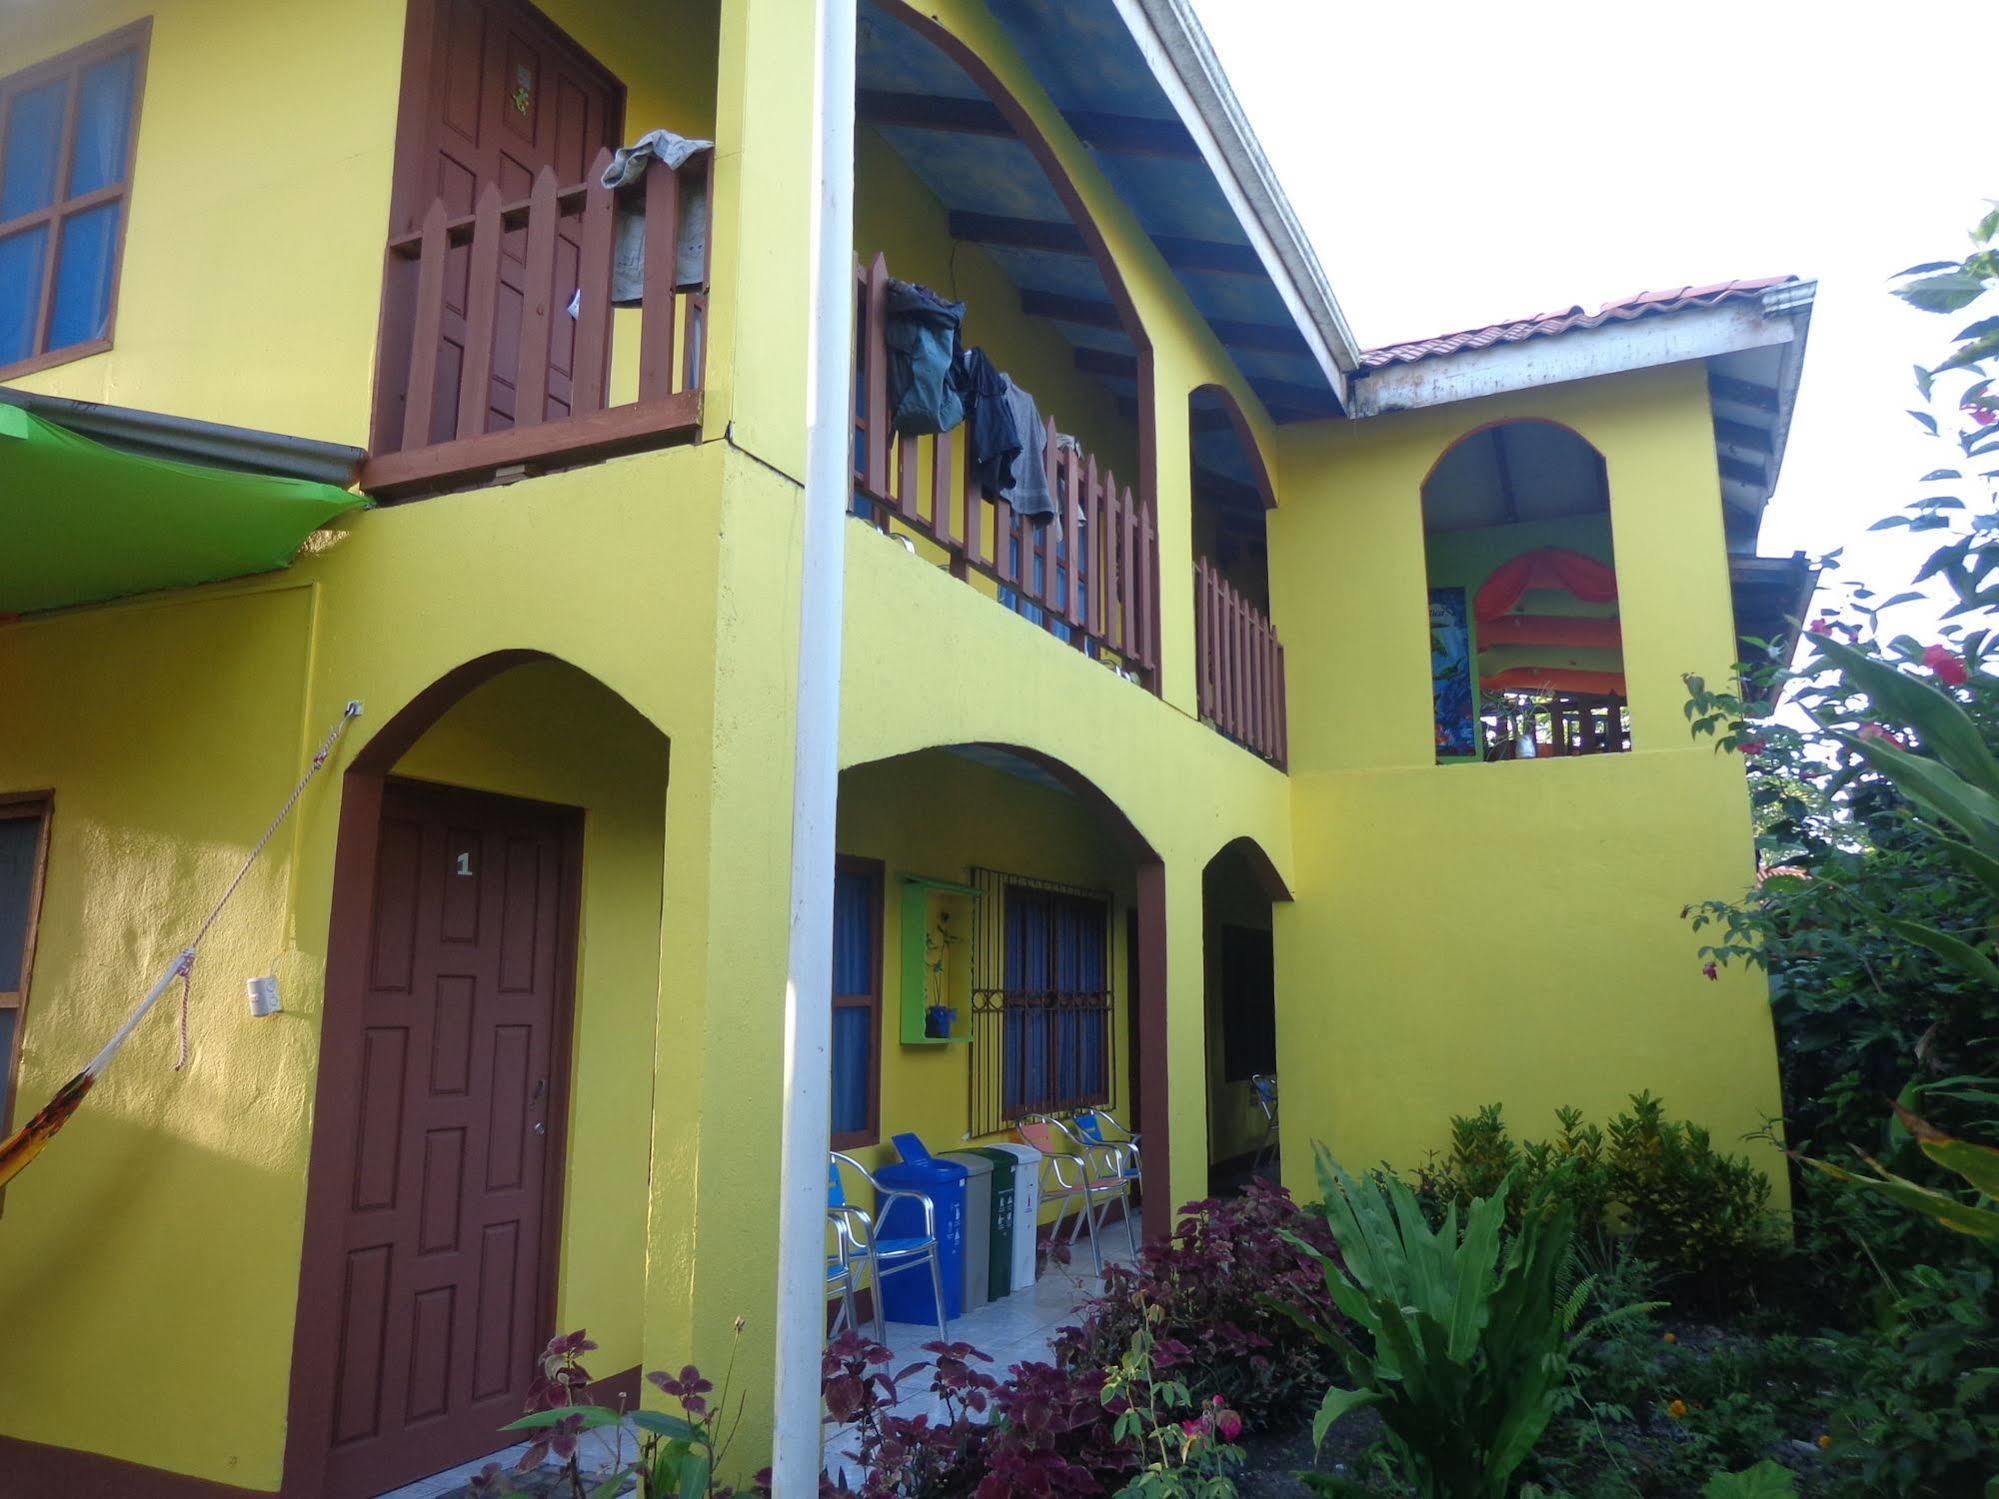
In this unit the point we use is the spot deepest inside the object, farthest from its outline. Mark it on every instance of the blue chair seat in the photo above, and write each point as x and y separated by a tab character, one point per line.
889	1249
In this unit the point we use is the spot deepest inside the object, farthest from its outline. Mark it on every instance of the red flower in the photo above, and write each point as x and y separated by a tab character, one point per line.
1229	1424
1875	731
1752	746
1712	972
1948	666
1820	627
1985	416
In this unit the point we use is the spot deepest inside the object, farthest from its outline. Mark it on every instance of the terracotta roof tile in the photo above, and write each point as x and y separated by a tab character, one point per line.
1572	319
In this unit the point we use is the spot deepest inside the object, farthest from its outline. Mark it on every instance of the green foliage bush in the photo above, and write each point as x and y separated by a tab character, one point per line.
1658	1185
1465	1336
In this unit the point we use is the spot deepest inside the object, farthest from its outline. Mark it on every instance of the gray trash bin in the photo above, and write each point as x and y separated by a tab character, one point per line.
978	1224
1026	1210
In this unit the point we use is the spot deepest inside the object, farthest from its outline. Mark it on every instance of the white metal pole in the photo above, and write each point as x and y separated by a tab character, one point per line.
808	1007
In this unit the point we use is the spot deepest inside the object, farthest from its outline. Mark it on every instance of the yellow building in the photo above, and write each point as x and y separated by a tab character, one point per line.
1106	842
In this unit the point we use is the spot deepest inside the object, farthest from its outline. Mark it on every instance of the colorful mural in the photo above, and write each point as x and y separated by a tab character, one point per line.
1451	675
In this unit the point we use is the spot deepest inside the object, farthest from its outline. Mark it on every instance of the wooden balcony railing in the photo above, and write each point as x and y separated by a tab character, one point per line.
1239	667
497	331
1096	586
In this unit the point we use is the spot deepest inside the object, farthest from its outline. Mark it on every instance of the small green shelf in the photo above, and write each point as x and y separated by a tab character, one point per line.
937	906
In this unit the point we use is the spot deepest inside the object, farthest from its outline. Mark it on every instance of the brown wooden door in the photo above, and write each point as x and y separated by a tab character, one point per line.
446	1254
493	93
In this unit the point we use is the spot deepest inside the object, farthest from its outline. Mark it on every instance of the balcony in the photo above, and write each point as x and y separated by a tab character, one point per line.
1239	677
1092	582
501	349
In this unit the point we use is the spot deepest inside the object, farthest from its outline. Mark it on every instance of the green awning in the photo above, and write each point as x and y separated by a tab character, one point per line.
81	522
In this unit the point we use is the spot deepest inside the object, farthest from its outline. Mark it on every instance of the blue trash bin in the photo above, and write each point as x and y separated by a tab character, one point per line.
906	1294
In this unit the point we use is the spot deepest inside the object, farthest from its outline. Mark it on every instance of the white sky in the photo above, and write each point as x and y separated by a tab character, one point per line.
1463	164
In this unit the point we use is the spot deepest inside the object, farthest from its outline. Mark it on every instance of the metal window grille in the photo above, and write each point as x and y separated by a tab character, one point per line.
1047	1046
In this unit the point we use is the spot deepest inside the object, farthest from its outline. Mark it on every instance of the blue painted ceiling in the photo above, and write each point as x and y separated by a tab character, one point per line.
1081	53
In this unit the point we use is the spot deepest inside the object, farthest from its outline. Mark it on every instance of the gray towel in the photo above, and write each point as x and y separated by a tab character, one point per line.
628	260
1029	494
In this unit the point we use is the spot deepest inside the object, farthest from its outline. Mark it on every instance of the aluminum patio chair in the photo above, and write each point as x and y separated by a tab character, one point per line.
1101	1127
1265	1085
1075	1171
883	1255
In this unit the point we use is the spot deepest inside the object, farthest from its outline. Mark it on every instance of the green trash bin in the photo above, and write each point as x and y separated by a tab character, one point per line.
999	1278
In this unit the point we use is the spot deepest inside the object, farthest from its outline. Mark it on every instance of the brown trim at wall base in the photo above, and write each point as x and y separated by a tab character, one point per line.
31	1468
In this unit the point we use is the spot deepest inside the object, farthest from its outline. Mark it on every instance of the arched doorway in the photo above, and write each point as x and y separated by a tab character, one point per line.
1020	965
509	820
1527	656
1240	889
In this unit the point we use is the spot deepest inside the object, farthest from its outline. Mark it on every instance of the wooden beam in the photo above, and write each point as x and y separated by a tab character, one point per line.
1744	473
1199	255
1295	401
1742	392
1506	494
1103	362
1086	312
930	112
1125	134
1132	135
1742	435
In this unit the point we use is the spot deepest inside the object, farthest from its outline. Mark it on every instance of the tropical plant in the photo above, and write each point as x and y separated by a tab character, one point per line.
1184	1453
674	1455
1211	1284
1468	1337
1767	1480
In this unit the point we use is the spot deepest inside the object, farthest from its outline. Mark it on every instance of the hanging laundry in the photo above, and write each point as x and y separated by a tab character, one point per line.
920	330
994	440
628	256
1028	491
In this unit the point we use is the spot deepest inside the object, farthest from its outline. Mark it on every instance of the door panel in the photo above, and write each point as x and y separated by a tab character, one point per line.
443	1304
503	94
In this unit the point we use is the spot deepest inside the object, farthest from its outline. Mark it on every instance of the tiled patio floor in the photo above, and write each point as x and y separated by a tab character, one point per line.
1015	1329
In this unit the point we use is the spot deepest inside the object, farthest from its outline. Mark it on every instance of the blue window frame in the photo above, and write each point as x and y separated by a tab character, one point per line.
857	974
1058	1001
68	127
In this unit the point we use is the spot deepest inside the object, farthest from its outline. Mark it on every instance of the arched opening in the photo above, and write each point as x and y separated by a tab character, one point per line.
1526	650
1238	659
493	955
1003	404
999	955
1239	888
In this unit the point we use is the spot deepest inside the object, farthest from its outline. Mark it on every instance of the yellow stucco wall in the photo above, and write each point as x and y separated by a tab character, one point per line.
1505	932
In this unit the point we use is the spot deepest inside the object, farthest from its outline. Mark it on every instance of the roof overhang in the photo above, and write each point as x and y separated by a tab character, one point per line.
1170	37
1779	317
1772	596
86	522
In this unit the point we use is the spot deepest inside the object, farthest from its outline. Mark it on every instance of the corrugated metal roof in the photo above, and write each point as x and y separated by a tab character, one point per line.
1573	319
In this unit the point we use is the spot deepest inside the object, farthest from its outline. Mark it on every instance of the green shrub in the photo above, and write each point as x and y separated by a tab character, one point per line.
1468	1338
1700	1216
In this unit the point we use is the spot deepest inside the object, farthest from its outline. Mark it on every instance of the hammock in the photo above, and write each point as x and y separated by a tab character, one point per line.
32	1138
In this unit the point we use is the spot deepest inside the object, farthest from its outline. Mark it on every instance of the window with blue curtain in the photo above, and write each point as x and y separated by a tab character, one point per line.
857	906
66	138
1058	1001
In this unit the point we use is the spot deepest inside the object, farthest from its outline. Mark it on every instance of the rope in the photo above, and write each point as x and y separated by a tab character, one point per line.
183	964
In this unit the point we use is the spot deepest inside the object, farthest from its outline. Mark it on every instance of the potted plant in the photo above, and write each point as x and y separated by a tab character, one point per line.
939	1015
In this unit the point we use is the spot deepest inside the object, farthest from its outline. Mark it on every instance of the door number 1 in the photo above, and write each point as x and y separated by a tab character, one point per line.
464	863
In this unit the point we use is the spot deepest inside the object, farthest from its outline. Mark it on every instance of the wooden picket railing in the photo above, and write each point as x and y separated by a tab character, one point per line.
497	331
1094	584
1239	667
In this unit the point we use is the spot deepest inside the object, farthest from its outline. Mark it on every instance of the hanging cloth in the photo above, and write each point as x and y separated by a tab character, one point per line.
994	440
1545	567
628	256
920	331
1028	491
